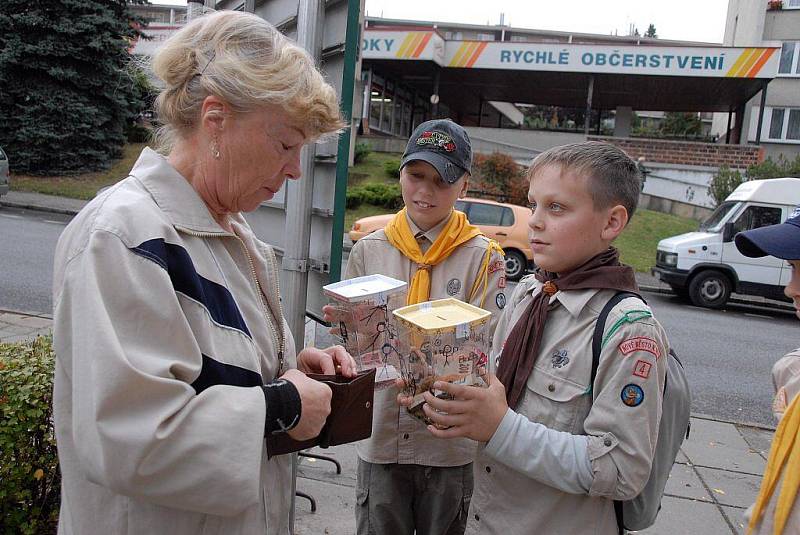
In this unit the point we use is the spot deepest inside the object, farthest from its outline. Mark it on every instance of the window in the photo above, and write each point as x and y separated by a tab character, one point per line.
519	38
776	123
780	125
461	206
487	214
789	64
756	217
791	4
485	37
793	126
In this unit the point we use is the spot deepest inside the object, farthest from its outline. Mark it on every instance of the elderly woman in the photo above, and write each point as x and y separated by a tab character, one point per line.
173	357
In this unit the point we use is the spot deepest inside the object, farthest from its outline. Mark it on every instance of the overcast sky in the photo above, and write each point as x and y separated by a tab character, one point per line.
691	20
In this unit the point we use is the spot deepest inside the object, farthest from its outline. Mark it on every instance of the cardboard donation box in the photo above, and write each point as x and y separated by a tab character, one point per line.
443	340
363	316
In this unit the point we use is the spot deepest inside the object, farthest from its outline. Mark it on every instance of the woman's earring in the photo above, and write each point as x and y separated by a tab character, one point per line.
215	149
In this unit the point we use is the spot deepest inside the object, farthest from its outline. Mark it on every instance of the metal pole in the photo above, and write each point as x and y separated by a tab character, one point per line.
435	109
352	40
299	195
761	111
728	129
589	94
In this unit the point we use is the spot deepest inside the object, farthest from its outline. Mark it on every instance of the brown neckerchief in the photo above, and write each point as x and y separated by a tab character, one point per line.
602	271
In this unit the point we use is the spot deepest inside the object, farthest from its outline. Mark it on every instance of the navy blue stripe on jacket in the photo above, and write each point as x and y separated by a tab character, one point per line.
214	297
219	373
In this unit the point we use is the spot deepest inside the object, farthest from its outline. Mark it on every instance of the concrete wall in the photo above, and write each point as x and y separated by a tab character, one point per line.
683	183
782	25
668	206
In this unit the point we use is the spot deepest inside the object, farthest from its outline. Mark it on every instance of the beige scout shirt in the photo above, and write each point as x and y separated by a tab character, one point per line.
398	437
786	378
621	436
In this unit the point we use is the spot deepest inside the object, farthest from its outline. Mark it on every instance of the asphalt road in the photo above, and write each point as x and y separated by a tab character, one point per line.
728	354
27	244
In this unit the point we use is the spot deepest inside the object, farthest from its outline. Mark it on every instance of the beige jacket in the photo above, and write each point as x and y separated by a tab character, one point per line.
612	427
786	379
162	343
398	437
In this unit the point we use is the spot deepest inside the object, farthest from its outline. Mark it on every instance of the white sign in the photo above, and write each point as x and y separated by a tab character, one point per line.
715	62
394	44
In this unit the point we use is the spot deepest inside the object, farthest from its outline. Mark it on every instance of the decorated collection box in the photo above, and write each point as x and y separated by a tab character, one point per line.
363	316
443	340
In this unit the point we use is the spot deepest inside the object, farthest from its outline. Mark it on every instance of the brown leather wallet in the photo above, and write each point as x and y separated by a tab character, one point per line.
350	418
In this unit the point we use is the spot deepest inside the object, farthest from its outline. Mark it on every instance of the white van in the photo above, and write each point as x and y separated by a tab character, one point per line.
706	266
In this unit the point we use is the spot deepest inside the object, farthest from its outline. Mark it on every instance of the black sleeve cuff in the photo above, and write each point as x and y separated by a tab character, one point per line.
283	406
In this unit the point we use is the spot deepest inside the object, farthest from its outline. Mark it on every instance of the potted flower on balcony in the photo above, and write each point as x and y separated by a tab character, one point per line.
774	5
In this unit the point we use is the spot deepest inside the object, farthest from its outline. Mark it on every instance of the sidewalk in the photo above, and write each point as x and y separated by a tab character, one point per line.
42	202
715	479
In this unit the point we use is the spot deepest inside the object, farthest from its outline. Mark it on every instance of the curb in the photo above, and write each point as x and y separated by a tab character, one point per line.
38	207
27	313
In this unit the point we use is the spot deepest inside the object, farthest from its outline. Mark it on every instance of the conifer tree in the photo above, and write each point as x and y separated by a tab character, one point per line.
67	91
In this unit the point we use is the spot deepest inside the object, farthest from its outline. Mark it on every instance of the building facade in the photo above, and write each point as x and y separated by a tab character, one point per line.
777	24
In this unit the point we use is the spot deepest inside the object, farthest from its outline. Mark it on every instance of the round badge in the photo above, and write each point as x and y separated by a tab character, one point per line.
453	287
632	395
500	300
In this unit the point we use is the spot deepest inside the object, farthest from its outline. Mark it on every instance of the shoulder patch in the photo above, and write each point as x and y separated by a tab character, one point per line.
632	395
640	343
497	265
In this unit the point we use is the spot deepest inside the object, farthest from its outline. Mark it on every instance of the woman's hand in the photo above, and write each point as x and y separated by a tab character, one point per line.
315	405
331	361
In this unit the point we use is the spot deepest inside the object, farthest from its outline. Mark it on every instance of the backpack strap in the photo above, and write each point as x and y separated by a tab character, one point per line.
597	346
600	326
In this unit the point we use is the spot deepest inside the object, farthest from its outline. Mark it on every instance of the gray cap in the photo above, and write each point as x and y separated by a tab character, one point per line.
443	144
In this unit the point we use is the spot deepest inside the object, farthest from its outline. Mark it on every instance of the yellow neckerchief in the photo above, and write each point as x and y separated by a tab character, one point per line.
456	232
784	457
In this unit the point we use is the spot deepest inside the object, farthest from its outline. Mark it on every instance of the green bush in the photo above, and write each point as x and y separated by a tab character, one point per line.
392	168
723	183
376	194
772	169
361	152
30	482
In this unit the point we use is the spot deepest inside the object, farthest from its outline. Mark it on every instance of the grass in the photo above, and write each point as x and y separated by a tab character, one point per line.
637	244
371	169
83	186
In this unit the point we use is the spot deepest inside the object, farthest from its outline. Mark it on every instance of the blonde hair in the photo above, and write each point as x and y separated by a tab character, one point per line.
245	61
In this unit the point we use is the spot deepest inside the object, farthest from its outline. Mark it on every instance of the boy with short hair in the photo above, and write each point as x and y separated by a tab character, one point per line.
776	510
407	479
558	450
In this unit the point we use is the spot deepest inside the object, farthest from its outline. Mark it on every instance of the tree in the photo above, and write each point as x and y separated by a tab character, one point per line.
651	31
681	124
69	90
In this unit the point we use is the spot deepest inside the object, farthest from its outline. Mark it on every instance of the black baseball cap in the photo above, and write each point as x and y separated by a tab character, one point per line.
781	241
443	144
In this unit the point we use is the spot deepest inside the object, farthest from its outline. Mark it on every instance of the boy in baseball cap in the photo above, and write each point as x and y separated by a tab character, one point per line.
408	480
776	510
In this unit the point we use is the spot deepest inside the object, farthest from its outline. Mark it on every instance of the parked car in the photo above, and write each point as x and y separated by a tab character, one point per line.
5	173
706	266
506	223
